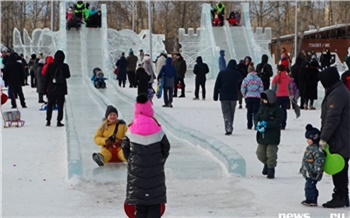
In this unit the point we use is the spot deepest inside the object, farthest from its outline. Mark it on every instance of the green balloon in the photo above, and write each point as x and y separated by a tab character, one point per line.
334	163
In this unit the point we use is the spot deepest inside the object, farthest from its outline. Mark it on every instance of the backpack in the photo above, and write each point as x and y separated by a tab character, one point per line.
58	77
30	64
264	74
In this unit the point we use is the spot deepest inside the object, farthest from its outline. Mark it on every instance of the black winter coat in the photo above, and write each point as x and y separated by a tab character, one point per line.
52	88
295	70
200	70
310	80
181	68
142	79
335	116
146	177
121	64
227	83
13	74
272	114
264	71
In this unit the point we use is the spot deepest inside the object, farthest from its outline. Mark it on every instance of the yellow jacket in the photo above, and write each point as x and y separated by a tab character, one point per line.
101	136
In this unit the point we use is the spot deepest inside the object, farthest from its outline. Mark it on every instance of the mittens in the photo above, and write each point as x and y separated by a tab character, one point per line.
109	143
261	126
323	144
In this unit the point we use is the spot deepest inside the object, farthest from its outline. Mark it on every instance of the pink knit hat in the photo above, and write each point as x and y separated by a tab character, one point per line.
143	106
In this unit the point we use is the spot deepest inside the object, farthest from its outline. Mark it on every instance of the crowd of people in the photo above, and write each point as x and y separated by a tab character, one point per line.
140	73
48	76
267	106
267	98
81	13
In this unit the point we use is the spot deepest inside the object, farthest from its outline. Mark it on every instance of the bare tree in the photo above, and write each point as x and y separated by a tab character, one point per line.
36	13
277	16
169	16
303	23
7	23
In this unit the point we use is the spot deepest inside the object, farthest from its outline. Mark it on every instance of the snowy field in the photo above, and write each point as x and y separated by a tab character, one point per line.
35	183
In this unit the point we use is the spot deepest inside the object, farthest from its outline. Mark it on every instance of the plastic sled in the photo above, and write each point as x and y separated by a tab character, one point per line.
296	109
44	107
115	158
334	163
130	210
3	98
12	118
160	88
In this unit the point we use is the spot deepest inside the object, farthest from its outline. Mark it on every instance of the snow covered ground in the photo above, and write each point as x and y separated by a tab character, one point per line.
34	166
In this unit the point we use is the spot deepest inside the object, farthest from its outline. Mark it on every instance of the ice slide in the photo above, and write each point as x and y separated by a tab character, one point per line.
234	40
237	42
89	48
85	109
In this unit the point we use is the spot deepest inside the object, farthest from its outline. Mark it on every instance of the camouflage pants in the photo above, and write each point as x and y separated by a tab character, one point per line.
267	154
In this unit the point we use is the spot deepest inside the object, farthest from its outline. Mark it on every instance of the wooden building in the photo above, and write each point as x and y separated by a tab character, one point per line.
336	38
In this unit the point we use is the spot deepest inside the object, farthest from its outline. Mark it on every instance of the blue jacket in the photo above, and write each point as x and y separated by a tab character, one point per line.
227	83
222	61
169	73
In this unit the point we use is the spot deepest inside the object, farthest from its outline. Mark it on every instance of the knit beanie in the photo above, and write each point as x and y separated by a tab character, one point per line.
110	109
251	67
329	77
143	106
312	133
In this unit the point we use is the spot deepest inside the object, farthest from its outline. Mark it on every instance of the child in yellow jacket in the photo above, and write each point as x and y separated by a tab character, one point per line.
109	136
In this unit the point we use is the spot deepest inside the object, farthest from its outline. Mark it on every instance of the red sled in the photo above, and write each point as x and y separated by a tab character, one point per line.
3	98
12	118
130	210
115	158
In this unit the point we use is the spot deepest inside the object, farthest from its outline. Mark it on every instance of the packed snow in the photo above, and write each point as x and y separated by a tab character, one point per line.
35	178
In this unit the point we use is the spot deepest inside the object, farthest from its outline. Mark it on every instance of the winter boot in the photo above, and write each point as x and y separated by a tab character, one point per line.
271	173
309	203
98	158
311	107
264	172
346	201
336	202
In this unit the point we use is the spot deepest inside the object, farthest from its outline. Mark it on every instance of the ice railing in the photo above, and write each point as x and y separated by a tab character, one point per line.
230	40
211	53
255	50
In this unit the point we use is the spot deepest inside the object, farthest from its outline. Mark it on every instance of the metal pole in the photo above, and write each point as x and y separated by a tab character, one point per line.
51	15
296	30
133	15
150	29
